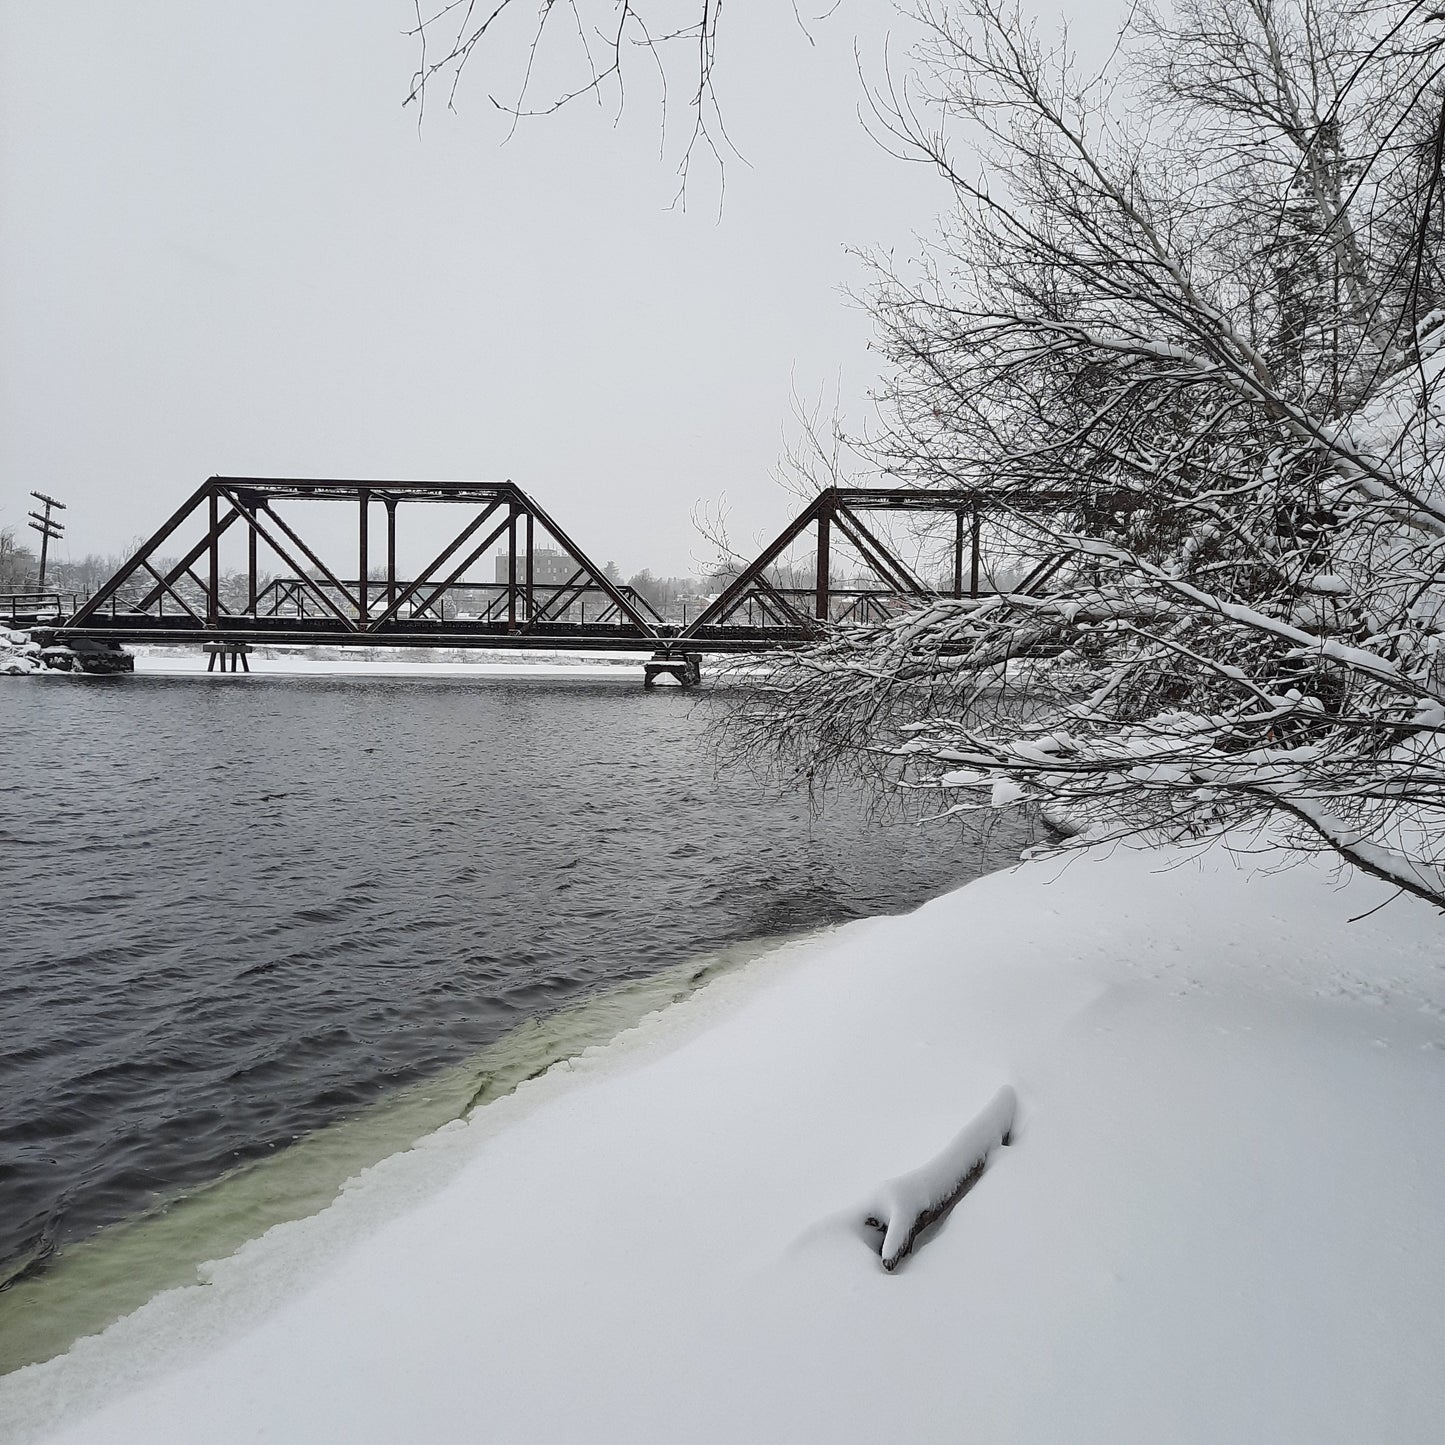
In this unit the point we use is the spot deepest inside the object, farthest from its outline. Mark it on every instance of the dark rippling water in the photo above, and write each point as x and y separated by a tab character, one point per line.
233	910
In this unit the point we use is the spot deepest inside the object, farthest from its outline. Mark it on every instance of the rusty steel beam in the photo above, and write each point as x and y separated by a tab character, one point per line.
820	568
390	551
362	539
790	615
874	555
428	573
253	518
512	567
638	600
145	550
221	609
185	606
251	570
188	561
581	558
742	583
920	499
213	565
464	564
325	489
531	572
310	556
902	573
1041	574
572	588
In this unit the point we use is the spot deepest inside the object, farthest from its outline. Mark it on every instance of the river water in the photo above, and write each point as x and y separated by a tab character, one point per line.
238	915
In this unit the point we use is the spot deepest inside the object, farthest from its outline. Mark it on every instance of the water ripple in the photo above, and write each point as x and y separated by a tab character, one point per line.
223	931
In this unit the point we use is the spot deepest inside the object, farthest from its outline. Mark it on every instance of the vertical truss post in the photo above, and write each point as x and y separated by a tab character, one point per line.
529	611
390	552
511	566
958	553
251	571
362	562
973	574
820	602
213	581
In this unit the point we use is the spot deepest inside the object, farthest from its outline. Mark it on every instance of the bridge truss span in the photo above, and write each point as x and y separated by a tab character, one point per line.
176	587
837	513
244	560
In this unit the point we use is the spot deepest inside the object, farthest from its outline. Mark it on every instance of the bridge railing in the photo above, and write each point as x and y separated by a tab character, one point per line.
29	606
488	602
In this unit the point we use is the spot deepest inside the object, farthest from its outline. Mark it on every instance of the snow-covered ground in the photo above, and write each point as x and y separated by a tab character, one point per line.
397	662
1221	1216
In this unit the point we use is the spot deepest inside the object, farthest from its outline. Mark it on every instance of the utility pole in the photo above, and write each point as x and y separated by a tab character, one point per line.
47	529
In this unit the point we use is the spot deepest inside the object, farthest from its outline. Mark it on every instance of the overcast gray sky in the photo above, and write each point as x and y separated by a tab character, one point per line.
225	248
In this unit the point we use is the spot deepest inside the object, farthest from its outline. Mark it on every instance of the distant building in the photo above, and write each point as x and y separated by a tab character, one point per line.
549	567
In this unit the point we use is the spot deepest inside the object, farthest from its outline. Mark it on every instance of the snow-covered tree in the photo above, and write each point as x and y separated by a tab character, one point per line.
17	562
1180	330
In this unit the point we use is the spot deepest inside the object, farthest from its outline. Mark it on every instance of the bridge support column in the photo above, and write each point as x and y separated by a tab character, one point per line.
228	654
686	668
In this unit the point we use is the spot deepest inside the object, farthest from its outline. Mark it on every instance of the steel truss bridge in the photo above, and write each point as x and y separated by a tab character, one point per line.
176	591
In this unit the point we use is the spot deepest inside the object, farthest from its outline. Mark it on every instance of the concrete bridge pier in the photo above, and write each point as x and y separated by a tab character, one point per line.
686	668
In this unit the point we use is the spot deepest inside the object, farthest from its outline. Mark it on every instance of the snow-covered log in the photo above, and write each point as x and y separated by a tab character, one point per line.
904	1207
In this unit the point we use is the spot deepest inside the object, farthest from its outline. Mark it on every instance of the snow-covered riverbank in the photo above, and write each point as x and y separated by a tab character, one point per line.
397	662
27	653
1219	1219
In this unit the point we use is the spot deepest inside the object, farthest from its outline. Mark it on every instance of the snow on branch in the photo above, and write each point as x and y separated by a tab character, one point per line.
1188	358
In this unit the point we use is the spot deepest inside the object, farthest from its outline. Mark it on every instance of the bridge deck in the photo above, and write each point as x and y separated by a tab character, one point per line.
460	633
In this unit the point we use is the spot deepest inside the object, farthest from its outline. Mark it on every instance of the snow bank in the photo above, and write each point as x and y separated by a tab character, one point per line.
1218	1220
19	656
